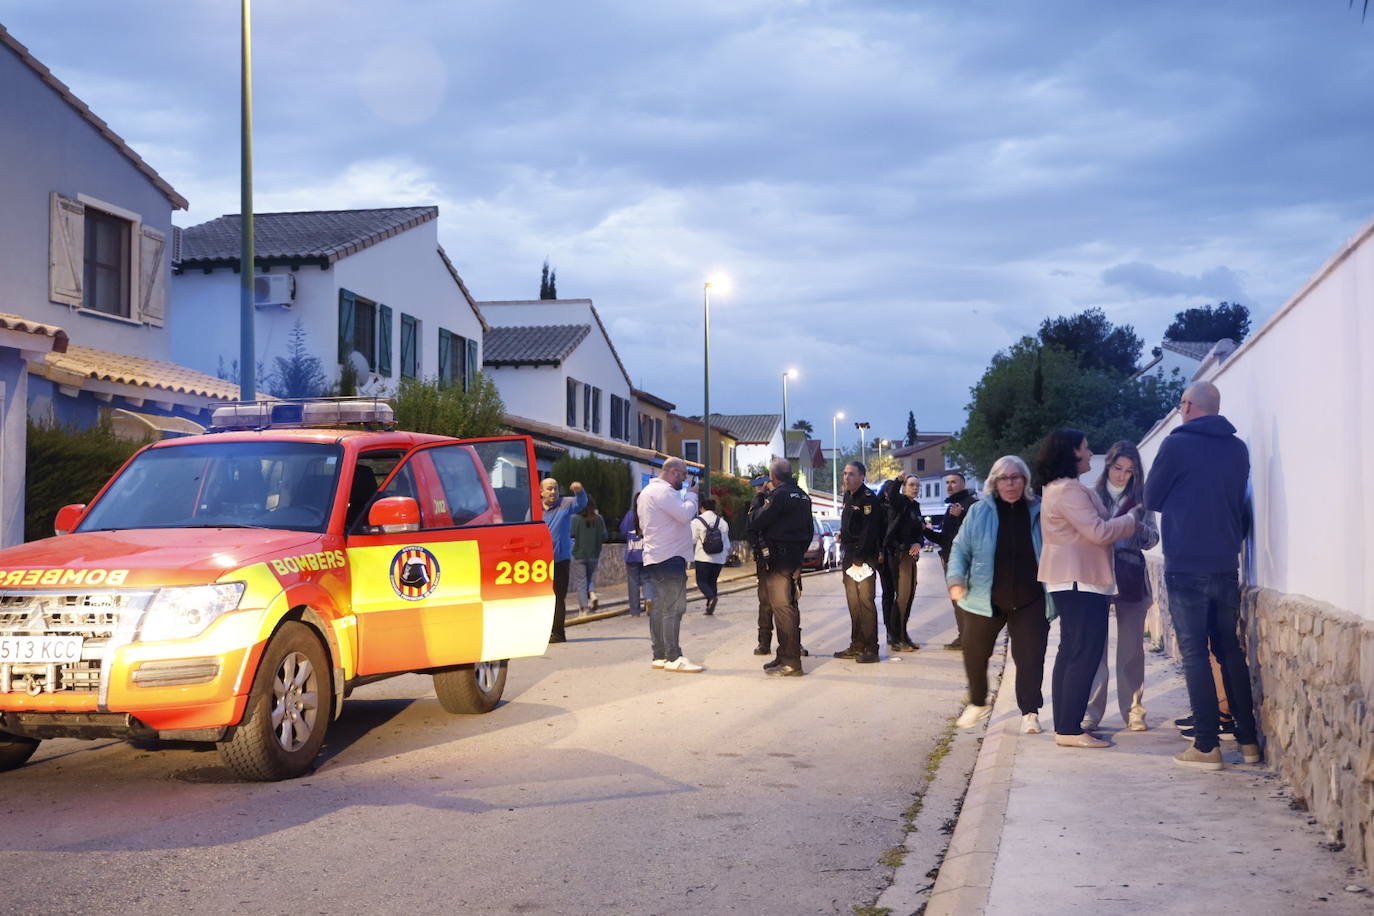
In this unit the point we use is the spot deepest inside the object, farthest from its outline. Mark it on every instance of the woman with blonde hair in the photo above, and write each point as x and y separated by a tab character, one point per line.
992	579
1076	567
1121	487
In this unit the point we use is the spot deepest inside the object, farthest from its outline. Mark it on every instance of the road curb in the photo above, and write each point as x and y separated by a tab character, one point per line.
965	878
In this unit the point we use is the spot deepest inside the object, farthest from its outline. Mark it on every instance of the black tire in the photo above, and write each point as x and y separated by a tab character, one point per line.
469	689
14	750
288	710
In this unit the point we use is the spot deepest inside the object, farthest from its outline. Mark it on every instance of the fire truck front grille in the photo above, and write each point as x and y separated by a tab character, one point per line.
100	619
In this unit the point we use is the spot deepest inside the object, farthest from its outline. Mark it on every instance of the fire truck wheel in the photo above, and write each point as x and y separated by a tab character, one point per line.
14	750
288	711
471	688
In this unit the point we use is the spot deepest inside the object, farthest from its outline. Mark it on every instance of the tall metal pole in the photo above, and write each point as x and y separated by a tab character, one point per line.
706	395
835	459
247	362
784	415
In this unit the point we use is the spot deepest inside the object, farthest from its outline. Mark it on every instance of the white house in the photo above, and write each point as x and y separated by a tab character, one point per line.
1182	359
562	380
369	288
758	437
84	320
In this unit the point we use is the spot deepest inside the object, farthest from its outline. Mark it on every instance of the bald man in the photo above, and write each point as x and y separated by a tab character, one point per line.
1198	485
558	513
665	517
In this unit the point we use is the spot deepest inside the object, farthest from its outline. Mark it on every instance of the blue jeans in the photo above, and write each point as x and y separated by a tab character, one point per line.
584	597
633	573
1205	608
669	580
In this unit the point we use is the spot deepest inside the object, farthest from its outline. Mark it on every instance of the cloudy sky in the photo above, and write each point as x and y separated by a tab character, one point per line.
896	189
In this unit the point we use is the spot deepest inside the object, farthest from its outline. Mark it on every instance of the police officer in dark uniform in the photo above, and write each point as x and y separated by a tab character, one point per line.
861	533
784	526
760	485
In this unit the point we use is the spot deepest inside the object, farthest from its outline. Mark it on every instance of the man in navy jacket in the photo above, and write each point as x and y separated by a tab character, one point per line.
1197	483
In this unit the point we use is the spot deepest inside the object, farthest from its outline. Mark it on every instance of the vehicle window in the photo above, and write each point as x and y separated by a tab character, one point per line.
222	485
467	492
369	471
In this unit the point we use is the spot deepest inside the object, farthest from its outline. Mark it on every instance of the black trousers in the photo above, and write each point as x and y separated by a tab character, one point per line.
707	574
959	613
765	603
1082	637
782	588
887	581
903	567
863	612
1029	632
562	574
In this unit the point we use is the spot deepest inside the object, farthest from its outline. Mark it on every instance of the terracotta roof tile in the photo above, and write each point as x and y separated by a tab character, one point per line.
546	344
153	374
322	236
26	326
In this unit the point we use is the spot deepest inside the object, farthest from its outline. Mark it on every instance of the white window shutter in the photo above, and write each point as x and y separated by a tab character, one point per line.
152	286
66	249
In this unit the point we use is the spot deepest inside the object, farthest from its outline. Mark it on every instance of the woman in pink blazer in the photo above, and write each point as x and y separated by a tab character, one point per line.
1076	567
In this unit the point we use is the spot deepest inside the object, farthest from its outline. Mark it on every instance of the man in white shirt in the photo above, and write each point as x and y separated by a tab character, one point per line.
665	518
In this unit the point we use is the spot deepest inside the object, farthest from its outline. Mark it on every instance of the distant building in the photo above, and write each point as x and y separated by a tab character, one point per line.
685	435
758	437
1182	360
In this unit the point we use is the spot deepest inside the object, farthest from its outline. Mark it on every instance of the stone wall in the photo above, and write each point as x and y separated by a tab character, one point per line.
1313	670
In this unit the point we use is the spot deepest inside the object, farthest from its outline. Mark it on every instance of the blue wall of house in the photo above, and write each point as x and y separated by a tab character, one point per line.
46	145
13	378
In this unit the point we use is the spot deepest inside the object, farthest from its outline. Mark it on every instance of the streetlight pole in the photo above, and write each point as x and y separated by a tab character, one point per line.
835	459
790	373
863	446
881	443
706	398
247	363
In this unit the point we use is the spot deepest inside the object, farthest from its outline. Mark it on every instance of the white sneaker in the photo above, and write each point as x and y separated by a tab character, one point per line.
659	663
1030	724
972	715
595	601
683	665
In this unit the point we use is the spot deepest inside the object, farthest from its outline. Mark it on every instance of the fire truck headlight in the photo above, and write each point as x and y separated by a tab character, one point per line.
180	613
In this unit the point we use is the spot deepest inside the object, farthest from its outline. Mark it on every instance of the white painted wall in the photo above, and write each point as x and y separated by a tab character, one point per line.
404	272
540	393
1300	393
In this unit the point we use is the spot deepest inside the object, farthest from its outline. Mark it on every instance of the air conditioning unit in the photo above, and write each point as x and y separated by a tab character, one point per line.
274	290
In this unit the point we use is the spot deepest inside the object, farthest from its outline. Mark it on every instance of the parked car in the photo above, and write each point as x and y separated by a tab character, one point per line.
832	542
234	587
816	551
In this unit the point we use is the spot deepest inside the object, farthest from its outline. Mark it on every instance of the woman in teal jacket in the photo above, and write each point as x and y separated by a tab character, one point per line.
993	577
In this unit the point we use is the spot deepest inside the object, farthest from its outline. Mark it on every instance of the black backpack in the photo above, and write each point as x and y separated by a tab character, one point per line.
712	541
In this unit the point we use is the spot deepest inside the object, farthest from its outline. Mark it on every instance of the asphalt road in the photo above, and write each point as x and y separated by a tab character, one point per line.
599	785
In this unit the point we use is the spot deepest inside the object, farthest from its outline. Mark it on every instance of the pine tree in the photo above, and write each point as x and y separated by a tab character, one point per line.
544	281
910	428
298	374
553	284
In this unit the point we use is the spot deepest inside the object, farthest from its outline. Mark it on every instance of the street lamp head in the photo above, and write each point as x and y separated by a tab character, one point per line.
840	415
790	373
718	283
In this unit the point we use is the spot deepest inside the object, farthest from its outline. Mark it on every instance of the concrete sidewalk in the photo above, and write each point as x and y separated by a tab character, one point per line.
613	600
1045	829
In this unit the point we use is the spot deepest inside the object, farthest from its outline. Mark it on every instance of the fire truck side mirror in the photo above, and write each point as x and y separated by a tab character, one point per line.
68	517
394	515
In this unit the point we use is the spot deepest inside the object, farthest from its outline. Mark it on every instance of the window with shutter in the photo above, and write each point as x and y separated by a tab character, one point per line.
384	340
691	450
365	330
615	416
410	336
66	249
346	318
107	281
152	285
572	402
473	364
625	419
445	356
586	406
596	411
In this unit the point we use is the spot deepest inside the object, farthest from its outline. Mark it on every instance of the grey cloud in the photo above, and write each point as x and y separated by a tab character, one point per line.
1219	282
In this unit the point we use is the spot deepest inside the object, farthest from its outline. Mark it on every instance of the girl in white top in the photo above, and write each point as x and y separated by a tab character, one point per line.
708	565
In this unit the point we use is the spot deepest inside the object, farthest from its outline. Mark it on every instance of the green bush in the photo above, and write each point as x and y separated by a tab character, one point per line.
445	409
606	480
733	495
65	465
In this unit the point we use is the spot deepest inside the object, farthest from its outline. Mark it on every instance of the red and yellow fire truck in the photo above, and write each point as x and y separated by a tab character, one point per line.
235	586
